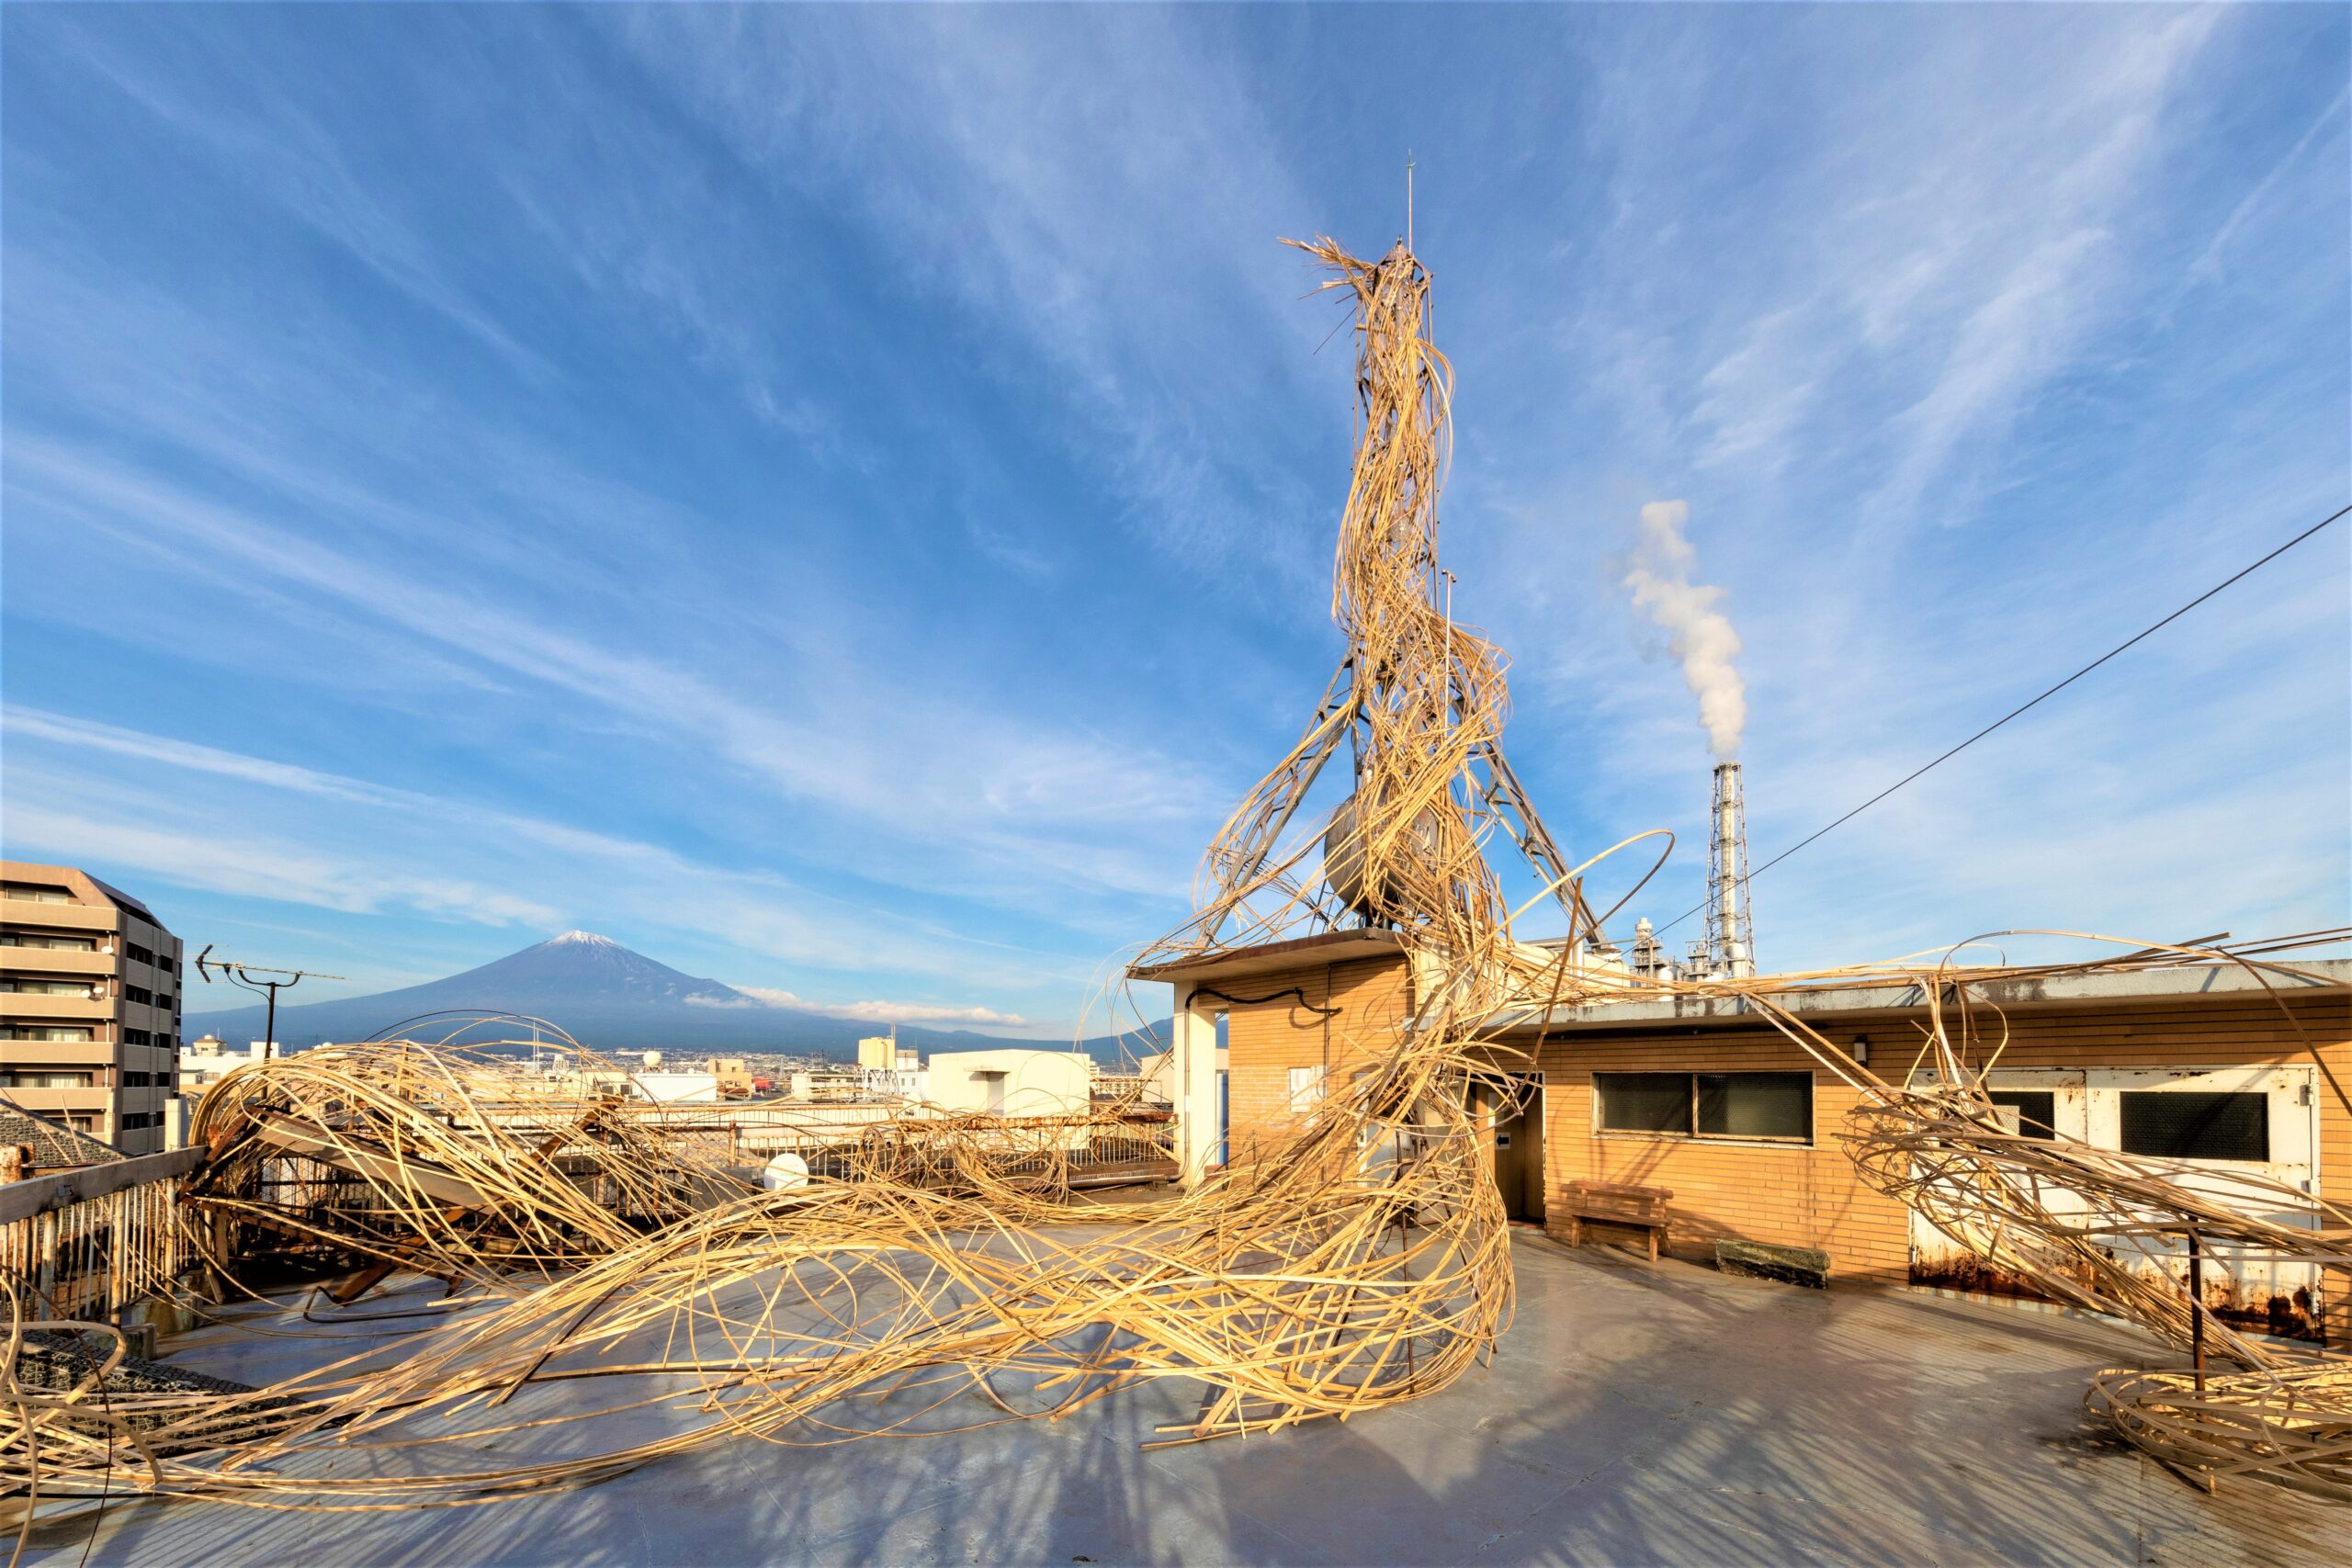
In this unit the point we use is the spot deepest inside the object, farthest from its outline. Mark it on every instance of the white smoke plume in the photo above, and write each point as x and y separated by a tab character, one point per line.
1702	635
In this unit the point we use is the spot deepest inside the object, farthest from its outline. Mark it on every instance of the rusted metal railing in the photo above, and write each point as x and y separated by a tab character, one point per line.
87	1243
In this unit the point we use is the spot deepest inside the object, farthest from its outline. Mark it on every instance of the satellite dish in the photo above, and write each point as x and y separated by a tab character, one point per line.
1344	858
785	1173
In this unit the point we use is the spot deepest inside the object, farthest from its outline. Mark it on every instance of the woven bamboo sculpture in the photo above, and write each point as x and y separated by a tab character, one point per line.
1363	1262
1366	1264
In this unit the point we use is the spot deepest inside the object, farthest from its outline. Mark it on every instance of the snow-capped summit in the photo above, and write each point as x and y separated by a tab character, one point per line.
606	996
589	983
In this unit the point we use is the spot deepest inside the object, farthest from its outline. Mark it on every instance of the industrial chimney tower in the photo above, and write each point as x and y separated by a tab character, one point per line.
1731	936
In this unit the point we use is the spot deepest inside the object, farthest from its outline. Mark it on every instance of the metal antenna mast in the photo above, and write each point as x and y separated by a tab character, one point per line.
238	974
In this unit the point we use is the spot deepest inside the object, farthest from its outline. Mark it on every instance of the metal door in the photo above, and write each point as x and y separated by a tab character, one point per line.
1941	1259
2093	1106
2290	1122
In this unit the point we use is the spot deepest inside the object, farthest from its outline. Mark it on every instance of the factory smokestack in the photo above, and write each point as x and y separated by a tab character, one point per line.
1700	633
1731	935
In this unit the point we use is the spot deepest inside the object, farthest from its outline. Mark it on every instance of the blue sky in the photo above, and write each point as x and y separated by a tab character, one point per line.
840	500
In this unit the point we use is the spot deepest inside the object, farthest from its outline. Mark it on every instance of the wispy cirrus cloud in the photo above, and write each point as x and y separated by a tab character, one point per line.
1049	178
873	754
2329	125
1907	404
277	148
844	497
394	853
255	866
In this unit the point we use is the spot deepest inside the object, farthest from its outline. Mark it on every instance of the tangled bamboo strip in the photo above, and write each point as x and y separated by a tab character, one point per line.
1421	702
1363	1264
931	1282
2107	1231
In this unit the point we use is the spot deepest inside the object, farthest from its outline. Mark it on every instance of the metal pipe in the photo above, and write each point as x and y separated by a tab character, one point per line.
1726	853
2197	1310
1729	944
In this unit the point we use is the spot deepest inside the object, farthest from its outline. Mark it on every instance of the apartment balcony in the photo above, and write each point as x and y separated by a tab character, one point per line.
59	917
66	1055
17	1007
55	1103
59	961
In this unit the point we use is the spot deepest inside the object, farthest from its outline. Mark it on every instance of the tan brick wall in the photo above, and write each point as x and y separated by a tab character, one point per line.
1812	1197
1774	1192
1804	1196
2239	1031
1723	1191
1267	1039
2249	1032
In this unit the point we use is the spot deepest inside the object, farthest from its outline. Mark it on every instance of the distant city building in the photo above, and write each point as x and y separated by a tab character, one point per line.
883	1053
1012	1082
677	1088
89	1005
209	1058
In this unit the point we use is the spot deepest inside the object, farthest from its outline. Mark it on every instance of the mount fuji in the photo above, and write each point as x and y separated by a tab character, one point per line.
606	996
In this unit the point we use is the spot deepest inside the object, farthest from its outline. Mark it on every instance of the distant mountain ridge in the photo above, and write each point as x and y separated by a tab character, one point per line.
609	999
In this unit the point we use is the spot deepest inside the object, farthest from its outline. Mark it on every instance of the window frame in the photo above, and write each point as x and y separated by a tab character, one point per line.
76	986
2048	1133
2128	1099
1811	1138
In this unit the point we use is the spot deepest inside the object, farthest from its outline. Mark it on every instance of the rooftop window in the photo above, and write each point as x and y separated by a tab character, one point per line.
1748	1107
2191	1124
57	941
2037	1109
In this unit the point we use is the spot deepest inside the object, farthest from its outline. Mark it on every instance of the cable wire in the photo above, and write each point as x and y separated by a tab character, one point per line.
2013	713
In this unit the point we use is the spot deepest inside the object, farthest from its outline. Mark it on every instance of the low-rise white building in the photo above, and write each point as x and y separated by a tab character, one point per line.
210	1059
677	1088
1012	1082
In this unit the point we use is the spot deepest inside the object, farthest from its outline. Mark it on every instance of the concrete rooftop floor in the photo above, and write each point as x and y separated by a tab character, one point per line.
1636	1414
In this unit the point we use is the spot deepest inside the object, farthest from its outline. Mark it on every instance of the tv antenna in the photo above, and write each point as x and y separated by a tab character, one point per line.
247	975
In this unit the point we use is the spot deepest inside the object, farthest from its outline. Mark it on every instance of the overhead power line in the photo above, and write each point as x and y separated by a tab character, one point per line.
2119	648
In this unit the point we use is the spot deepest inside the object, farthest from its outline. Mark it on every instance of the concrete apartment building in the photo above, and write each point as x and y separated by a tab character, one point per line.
89	1005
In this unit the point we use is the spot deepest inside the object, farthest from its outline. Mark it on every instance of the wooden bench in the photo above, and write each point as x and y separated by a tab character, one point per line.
1617	1203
